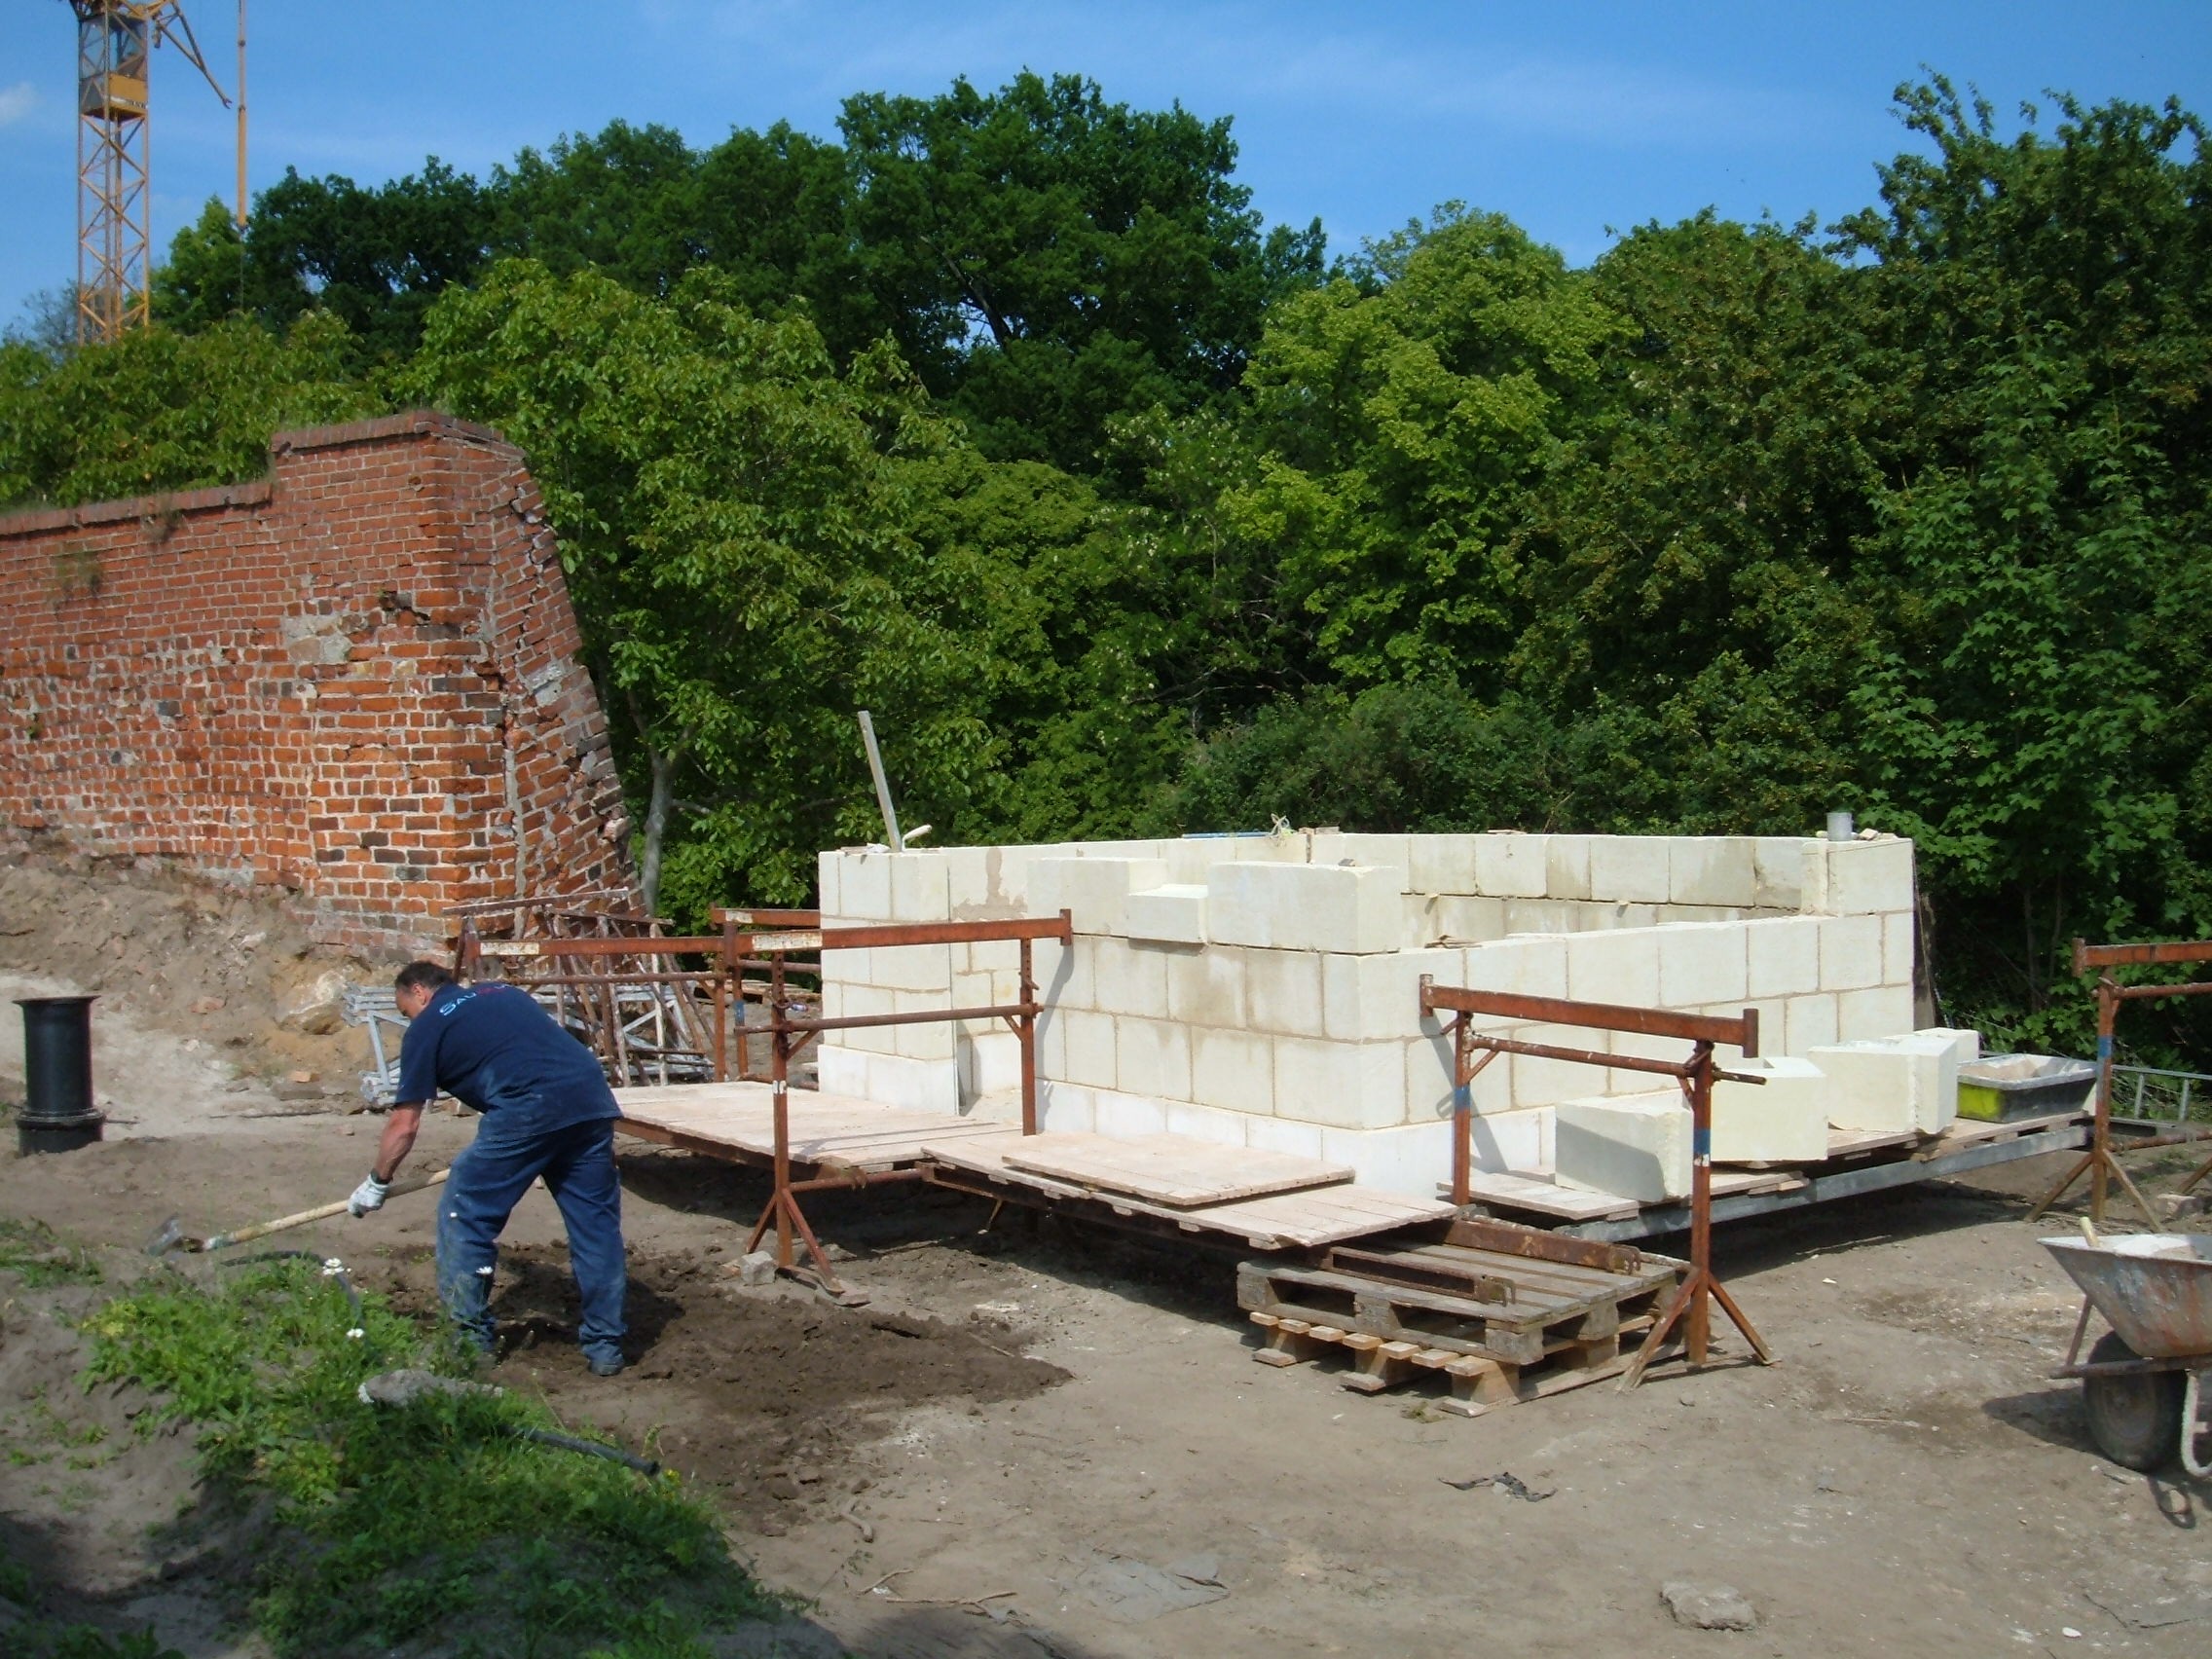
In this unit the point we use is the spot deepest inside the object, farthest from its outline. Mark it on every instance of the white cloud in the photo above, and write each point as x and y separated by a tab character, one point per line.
17	101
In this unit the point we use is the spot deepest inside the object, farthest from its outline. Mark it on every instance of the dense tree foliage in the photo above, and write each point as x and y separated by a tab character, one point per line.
1004	414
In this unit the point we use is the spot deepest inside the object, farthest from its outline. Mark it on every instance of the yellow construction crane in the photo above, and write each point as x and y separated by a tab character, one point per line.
115	50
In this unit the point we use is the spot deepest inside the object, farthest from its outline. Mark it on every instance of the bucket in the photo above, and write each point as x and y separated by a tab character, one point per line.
2003	1088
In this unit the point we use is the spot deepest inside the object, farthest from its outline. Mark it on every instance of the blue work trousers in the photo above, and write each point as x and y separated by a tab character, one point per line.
488	1180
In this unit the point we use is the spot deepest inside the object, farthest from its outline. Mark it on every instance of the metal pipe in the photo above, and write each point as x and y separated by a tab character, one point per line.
59	1114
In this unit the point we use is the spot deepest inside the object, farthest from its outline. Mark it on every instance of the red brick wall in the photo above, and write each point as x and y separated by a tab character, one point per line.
356	680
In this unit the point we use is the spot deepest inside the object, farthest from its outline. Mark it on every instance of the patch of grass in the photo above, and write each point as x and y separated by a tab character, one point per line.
41	1639
432	1523
36	1255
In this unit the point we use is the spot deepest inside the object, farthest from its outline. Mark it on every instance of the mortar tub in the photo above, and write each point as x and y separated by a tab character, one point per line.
2153	1288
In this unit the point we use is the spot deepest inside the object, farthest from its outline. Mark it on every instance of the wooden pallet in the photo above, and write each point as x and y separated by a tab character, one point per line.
1475	1384
1503	1312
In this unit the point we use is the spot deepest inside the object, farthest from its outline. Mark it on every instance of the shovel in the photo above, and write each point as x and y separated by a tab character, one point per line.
170	1236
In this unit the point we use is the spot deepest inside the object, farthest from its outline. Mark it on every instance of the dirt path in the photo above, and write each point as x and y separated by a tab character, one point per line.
1032	1443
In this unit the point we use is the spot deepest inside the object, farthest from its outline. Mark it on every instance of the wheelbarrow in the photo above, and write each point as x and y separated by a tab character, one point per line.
2140	1384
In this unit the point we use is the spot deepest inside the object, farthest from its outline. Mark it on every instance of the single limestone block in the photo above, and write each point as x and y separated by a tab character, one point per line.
1345	907
1783	1121
1176	914
1892	1084
1967	1043
1934	1080
1096	890
1633	1146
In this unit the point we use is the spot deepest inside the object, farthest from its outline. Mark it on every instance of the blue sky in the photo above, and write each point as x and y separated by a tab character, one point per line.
1570	118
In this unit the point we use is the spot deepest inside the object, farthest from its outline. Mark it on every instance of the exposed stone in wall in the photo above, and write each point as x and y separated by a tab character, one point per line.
356	680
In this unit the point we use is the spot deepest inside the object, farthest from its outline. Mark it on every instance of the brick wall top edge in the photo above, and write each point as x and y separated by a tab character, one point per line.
40	520
407	423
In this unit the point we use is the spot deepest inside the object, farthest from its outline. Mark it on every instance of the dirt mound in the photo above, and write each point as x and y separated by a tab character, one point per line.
774	1391
216	966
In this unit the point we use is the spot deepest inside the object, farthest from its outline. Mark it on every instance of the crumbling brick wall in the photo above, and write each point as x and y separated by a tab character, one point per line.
358	680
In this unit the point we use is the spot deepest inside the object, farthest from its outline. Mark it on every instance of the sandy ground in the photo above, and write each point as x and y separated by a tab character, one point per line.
1028	1433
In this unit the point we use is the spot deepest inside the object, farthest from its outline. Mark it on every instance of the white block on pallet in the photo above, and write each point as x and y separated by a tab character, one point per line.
1934	1080
1234	1070
1872	1085
1176	913
1511	866
1867	877
1711	870
1703	963
1152	1057
1095	890
1345	1086
1346	907
1614	966
1966	1044
1633	1146
1784	956
1370	998
1783	1121
1630	869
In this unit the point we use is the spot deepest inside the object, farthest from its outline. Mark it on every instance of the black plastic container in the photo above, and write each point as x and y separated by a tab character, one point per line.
57	1113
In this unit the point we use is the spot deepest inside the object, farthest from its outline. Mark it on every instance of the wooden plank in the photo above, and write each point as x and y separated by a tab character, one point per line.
1177	1170
1855	1143
1971	1131
1542	1196
1515	1239
738	1118
1279	1221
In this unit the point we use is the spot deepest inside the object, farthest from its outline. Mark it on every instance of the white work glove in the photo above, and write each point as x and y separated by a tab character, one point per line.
369	1195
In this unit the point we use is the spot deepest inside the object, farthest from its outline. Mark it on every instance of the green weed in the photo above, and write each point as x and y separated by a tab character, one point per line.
31	1251
428	1523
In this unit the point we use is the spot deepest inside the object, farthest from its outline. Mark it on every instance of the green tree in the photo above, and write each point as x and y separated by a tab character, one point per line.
735	521
159	410
1053	259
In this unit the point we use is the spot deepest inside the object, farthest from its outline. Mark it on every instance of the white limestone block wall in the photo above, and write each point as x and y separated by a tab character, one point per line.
1263	991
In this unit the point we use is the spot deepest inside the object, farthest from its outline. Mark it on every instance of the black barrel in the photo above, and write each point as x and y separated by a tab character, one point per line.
57	1113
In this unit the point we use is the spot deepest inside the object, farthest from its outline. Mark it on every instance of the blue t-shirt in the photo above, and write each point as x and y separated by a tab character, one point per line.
492	1047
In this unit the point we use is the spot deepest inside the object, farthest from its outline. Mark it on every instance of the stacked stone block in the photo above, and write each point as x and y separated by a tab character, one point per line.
1265	990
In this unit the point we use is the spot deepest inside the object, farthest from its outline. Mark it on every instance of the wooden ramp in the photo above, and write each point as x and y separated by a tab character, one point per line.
1303	1219
736	1121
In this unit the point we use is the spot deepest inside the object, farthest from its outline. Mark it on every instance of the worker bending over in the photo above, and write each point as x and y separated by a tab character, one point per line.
547	1111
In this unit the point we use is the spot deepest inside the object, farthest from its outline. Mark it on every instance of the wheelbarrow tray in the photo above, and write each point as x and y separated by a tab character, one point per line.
2153	1288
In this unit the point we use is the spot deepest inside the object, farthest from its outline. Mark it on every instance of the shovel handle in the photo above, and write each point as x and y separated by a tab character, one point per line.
322	1212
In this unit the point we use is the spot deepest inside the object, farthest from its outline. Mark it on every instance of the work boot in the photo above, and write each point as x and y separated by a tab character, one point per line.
607	1362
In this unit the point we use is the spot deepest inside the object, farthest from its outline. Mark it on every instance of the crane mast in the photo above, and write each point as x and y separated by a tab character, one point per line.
115	48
